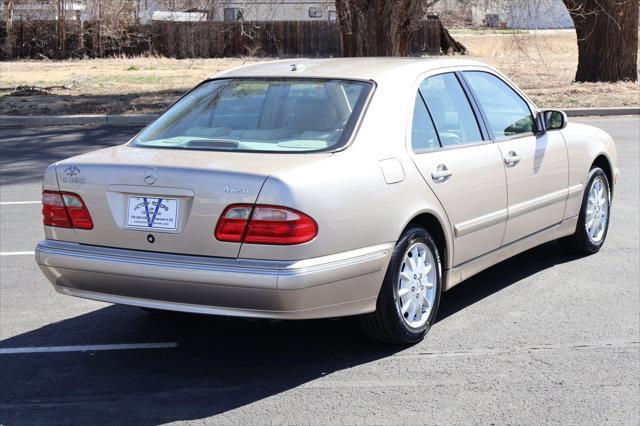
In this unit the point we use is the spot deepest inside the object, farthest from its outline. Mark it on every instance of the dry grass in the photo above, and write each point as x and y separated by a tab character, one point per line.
128	85
542	64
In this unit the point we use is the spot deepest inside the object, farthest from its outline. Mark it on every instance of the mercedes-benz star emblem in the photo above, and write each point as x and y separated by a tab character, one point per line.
150	175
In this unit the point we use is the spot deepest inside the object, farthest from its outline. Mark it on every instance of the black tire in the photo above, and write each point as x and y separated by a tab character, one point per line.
386	325
580	242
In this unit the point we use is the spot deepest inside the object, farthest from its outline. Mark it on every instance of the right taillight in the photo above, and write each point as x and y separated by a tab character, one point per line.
65	210
265	224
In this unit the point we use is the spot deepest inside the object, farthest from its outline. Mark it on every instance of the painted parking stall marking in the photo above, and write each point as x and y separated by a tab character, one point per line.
88	348
17	253
15	203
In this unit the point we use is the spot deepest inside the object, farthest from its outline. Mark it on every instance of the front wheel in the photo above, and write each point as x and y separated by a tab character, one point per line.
410	294
593	221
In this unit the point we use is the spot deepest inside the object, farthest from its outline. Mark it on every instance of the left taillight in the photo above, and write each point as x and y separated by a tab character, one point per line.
65	210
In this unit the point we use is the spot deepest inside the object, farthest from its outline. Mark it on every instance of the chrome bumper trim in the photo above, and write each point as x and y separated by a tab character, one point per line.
263	274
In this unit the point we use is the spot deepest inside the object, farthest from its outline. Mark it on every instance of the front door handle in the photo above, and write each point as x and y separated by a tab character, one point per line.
441	173
512	159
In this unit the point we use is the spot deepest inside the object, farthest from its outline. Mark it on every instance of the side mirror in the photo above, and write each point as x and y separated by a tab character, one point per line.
540	129
554	119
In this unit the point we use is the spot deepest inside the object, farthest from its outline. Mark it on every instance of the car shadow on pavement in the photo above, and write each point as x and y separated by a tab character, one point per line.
220	364
501	276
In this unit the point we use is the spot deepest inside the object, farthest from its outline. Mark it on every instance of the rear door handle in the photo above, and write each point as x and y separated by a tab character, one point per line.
512	159
441	174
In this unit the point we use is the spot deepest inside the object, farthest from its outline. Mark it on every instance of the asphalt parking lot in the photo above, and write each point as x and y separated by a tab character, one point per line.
541	338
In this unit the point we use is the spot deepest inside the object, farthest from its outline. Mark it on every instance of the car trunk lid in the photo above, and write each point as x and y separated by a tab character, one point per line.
166	200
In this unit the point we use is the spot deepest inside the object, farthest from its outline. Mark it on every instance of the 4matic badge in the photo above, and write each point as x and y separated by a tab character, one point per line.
235	190
72	175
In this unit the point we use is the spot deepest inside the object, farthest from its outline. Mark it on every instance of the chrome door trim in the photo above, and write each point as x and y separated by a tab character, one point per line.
575	190
516	210
481	222
537	203
462	271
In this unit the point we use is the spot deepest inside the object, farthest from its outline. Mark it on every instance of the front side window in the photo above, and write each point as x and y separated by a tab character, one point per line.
508	114
452	114
274	115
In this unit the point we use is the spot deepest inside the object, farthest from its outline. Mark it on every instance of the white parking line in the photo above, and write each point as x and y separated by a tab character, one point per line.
16	253
88	348
10	203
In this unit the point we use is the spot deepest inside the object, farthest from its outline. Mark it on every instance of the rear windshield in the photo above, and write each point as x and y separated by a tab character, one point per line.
275	115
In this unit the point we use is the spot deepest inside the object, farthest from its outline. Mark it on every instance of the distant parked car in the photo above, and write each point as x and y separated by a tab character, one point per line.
326	188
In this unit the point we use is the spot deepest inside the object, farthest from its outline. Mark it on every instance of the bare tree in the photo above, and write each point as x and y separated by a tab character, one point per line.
8	19
112	23
379	27
607	32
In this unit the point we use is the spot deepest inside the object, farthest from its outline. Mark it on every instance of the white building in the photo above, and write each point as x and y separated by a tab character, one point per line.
46	10
226	10
519	14
276	10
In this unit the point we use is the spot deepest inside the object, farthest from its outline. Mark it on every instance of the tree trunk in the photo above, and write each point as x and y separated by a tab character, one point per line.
8	20
378	27
607	33
61	29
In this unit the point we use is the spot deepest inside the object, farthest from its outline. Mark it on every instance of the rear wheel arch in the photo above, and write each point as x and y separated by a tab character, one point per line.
434	225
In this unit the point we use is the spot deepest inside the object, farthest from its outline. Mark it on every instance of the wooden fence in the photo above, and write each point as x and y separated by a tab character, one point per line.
40	39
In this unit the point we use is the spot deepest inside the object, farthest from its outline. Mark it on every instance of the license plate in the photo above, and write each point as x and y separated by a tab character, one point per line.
152	213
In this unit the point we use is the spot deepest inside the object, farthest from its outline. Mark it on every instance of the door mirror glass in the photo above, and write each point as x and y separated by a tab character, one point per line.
555	120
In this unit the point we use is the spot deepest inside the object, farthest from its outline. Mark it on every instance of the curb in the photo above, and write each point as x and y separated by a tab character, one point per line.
585	112
75	120
143	119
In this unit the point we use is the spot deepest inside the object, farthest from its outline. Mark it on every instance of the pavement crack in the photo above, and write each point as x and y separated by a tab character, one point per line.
624	345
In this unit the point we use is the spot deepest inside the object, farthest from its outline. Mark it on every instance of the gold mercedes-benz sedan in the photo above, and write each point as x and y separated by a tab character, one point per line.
326	188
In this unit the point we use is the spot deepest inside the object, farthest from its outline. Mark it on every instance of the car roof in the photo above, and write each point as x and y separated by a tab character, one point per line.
369	68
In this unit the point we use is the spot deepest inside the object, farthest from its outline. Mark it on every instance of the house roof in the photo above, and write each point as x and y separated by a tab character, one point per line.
369	68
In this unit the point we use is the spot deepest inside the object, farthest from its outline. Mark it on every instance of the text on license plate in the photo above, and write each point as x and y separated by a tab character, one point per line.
152	212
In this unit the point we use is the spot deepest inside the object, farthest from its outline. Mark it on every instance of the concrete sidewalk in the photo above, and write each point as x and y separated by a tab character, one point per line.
141	119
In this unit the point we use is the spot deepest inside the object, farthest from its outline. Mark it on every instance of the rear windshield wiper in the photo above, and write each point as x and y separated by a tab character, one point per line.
213	143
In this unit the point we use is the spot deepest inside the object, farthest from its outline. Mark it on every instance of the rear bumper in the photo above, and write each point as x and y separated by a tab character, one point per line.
329	286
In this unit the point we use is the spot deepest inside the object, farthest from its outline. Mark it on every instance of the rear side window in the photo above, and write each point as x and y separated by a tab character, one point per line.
508	114
272	115
423	134
452	114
